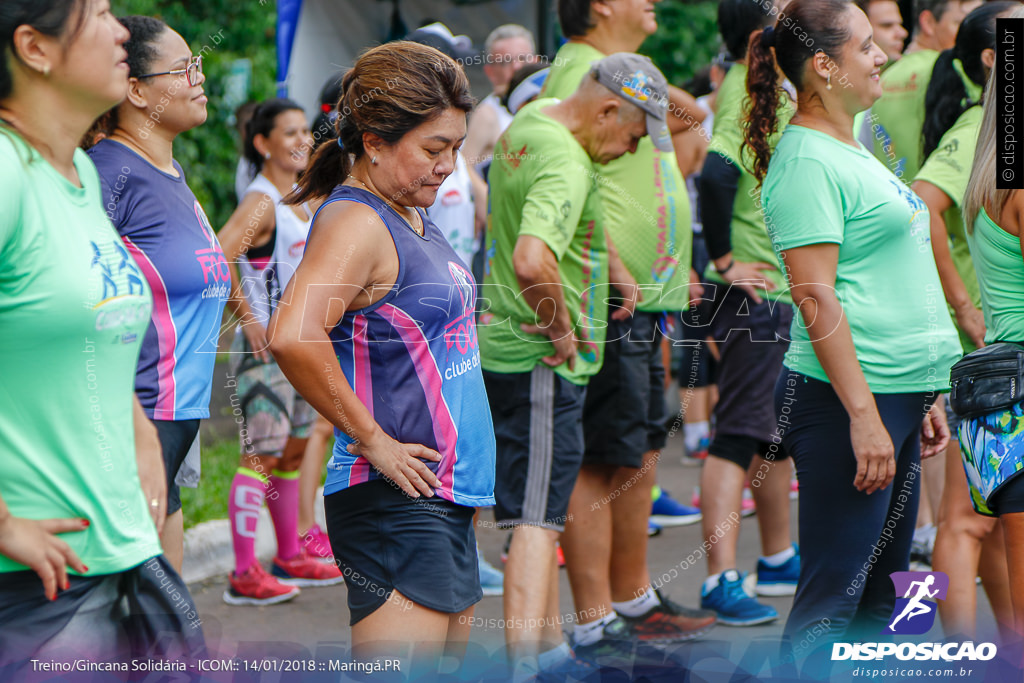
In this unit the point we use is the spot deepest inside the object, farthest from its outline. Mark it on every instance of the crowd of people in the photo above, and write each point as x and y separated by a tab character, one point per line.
477	302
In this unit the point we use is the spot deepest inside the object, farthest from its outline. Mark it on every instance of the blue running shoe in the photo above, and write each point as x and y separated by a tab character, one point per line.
781	580
653	528
492	580
667	511
732	604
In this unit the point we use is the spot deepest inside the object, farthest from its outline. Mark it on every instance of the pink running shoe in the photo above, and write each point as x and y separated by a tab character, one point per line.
257	587
303	570
316	543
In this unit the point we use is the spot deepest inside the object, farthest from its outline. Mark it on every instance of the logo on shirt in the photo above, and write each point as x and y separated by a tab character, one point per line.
118	272
120	304
211	259
452	198
460	332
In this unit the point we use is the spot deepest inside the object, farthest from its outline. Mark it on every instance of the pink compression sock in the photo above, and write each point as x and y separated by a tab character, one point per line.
248	489
283	503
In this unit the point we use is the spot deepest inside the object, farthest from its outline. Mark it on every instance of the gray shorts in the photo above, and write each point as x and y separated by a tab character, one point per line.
270	409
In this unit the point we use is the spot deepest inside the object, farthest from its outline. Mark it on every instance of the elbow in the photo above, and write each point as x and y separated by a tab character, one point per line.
282	339
529	270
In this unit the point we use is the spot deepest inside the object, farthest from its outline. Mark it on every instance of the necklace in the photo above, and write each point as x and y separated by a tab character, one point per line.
418	231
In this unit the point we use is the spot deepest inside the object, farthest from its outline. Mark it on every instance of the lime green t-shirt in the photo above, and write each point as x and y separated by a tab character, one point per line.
748	237
949	168
997	258
543	184
820	190
897	117
73	309
644	202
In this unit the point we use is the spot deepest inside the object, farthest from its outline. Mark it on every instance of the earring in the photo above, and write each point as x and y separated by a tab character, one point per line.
828	86
46	70
267	155
373	160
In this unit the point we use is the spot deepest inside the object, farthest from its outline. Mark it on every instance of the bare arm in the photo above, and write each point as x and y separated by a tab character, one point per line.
536	270
251	225
968	318
683	112
479	200
150	462
481	135
621	279
812	272
349	263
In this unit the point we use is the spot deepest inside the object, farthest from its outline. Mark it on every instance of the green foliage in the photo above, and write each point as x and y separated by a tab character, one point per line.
210	499
687	38
223	31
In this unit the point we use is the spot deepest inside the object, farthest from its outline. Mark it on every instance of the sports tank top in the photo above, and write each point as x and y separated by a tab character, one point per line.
413	360
264	280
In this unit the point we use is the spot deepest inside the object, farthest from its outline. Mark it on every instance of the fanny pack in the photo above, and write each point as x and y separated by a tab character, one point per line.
987	380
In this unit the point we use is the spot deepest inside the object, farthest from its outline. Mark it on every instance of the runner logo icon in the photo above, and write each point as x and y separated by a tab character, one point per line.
916	593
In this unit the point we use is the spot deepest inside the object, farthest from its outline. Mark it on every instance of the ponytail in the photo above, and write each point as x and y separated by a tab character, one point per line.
959	74
945	100
765	92
328	168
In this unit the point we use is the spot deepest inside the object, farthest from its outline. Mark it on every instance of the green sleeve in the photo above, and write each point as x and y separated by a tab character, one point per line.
803	205
13	159
554	204
949	166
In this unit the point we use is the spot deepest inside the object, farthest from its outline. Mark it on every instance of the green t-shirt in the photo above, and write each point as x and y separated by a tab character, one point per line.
543	184
644	202
73	309
897	117
820	190
949	168
748	237
997	259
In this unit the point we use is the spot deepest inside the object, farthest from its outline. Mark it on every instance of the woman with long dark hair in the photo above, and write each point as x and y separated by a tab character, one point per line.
871	347
380	338
83	491
966	544
166	231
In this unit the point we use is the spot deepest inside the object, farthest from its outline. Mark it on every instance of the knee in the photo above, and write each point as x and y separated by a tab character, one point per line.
966	524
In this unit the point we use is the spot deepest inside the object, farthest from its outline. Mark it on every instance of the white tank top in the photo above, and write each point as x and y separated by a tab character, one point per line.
263	282
453	211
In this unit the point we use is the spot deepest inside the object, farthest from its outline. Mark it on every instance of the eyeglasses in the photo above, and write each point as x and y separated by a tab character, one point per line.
192	71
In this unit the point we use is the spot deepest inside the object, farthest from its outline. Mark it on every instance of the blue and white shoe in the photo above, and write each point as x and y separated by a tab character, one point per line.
667	511
733	606
781	580
653	528
492	580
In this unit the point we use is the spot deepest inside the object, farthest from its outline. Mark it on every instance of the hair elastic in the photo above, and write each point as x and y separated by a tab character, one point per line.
341	145
768	37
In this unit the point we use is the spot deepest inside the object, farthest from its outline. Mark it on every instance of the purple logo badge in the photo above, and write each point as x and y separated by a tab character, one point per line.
916	593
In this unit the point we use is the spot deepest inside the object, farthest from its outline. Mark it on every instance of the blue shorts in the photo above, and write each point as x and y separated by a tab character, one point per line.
992	450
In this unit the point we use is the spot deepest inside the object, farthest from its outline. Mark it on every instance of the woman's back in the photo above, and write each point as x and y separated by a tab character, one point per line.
997	260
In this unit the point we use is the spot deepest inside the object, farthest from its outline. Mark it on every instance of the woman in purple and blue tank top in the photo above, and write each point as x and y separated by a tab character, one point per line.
380	339
166	232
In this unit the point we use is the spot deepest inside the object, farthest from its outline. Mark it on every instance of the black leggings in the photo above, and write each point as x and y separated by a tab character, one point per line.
849	541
